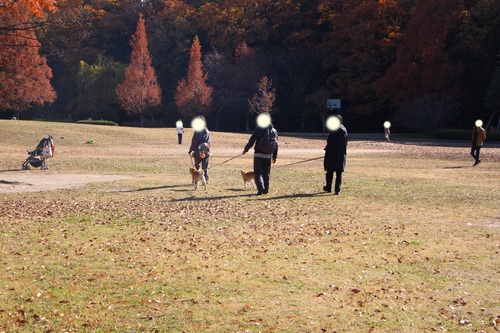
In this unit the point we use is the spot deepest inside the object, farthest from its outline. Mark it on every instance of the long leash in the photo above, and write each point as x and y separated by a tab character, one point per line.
304	161
232	158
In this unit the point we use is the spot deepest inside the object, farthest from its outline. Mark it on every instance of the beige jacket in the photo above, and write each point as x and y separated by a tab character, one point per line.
481	136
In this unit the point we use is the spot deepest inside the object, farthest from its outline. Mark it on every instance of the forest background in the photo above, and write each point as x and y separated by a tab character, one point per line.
423	64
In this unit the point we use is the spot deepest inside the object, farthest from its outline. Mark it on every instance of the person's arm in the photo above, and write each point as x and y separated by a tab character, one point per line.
194	143
251	142
275	152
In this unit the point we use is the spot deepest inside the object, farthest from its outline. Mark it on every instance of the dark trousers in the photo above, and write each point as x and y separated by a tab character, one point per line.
475	152
262	169
329	180
204	164
180	137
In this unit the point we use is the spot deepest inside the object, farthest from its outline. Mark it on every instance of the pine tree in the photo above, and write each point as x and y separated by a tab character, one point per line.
24	73
194	95
139	92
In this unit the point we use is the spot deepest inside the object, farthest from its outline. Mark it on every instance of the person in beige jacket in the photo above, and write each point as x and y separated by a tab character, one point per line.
478	137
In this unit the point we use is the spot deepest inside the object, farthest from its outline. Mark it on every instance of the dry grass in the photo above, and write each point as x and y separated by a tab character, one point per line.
411	245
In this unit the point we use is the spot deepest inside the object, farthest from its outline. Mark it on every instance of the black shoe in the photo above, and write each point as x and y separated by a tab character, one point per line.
476	163
260	193
337	193
265	192
326	189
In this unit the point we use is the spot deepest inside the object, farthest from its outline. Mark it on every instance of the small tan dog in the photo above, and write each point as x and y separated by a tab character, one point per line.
248	177
198	176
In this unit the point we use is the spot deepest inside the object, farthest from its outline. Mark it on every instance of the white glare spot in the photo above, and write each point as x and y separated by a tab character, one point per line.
178	124
333	123
479	123
198	124
387	124
264	120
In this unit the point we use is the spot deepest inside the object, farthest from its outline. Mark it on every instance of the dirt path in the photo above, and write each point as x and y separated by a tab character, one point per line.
38	180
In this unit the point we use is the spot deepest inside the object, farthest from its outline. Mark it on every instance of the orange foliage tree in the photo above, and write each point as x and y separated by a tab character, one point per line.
194	96
24	73
423	81
139	92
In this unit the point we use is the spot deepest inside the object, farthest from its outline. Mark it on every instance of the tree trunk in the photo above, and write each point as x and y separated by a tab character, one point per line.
142	119
18	112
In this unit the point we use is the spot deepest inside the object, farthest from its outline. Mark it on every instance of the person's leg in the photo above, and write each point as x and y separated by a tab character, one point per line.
258	170
476	155
329	180
204	165
266	174
180	137
338	181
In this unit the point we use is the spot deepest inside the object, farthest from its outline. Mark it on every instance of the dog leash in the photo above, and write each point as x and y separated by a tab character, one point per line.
304	161
232	158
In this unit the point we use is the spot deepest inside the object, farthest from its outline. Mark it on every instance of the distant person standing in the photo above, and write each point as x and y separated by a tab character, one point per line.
265	138
387	131
478	137
200	145
179	126
335	153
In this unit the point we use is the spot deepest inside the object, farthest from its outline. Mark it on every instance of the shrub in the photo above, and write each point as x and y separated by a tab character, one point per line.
97	122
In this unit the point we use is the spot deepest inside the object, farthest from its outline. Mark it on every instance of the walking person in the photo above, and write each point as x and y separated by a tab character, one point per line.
179	126
478	137
200	145
265	139
335	154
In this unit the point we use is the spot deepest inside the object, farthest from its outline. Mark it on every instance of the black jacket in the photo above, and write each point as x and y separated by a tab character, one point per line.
259	132
336	150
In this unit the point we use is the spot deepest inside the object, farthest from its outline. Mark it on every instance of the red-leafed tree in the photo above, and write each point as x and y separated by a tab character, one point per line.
24	73
194	96
139	92
423	81
263	100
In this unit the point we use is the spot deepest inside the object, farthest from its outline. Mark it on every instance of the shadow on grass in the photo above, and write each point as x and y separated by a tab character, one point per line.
219	197
294	196
253	195
456	167
161	188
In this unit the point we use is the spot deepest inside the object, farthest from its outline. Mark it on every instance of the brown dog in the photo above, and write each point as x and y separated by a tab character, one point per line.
248	177
197	176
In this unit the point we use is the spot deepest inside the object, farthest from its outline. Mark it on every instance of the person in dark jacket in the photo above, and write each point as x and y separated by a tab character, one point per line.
265	139
200	145
335	156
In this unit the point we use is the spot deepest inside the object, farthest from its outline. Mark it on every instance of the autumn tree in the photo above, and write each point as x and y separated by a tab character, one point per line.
139	92
193	95
264	98
25	75
423	81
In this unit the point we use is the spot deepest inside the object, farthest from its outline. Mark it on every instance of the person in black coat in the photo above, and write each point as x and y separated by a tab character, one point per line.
335	157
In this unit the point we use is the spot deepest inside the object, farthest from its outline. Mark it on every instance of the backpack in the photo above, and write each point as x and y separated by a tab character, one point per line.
268	142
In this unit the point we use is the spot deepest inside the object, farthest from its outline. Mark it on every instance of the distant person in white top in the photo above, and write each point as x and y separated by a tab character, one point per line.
387	131
180	129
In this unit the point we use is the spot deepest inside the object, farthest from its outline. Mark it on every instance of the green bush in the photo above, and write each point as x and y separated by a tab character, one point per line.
459	134
97	122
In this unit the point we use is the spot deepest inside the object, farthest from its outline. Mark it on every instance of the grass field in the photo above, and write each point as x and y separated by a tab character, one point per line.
412	244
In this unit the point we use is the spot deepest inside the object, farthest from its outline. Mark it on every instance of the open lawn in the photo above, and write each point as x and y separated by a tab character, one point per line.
122	242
